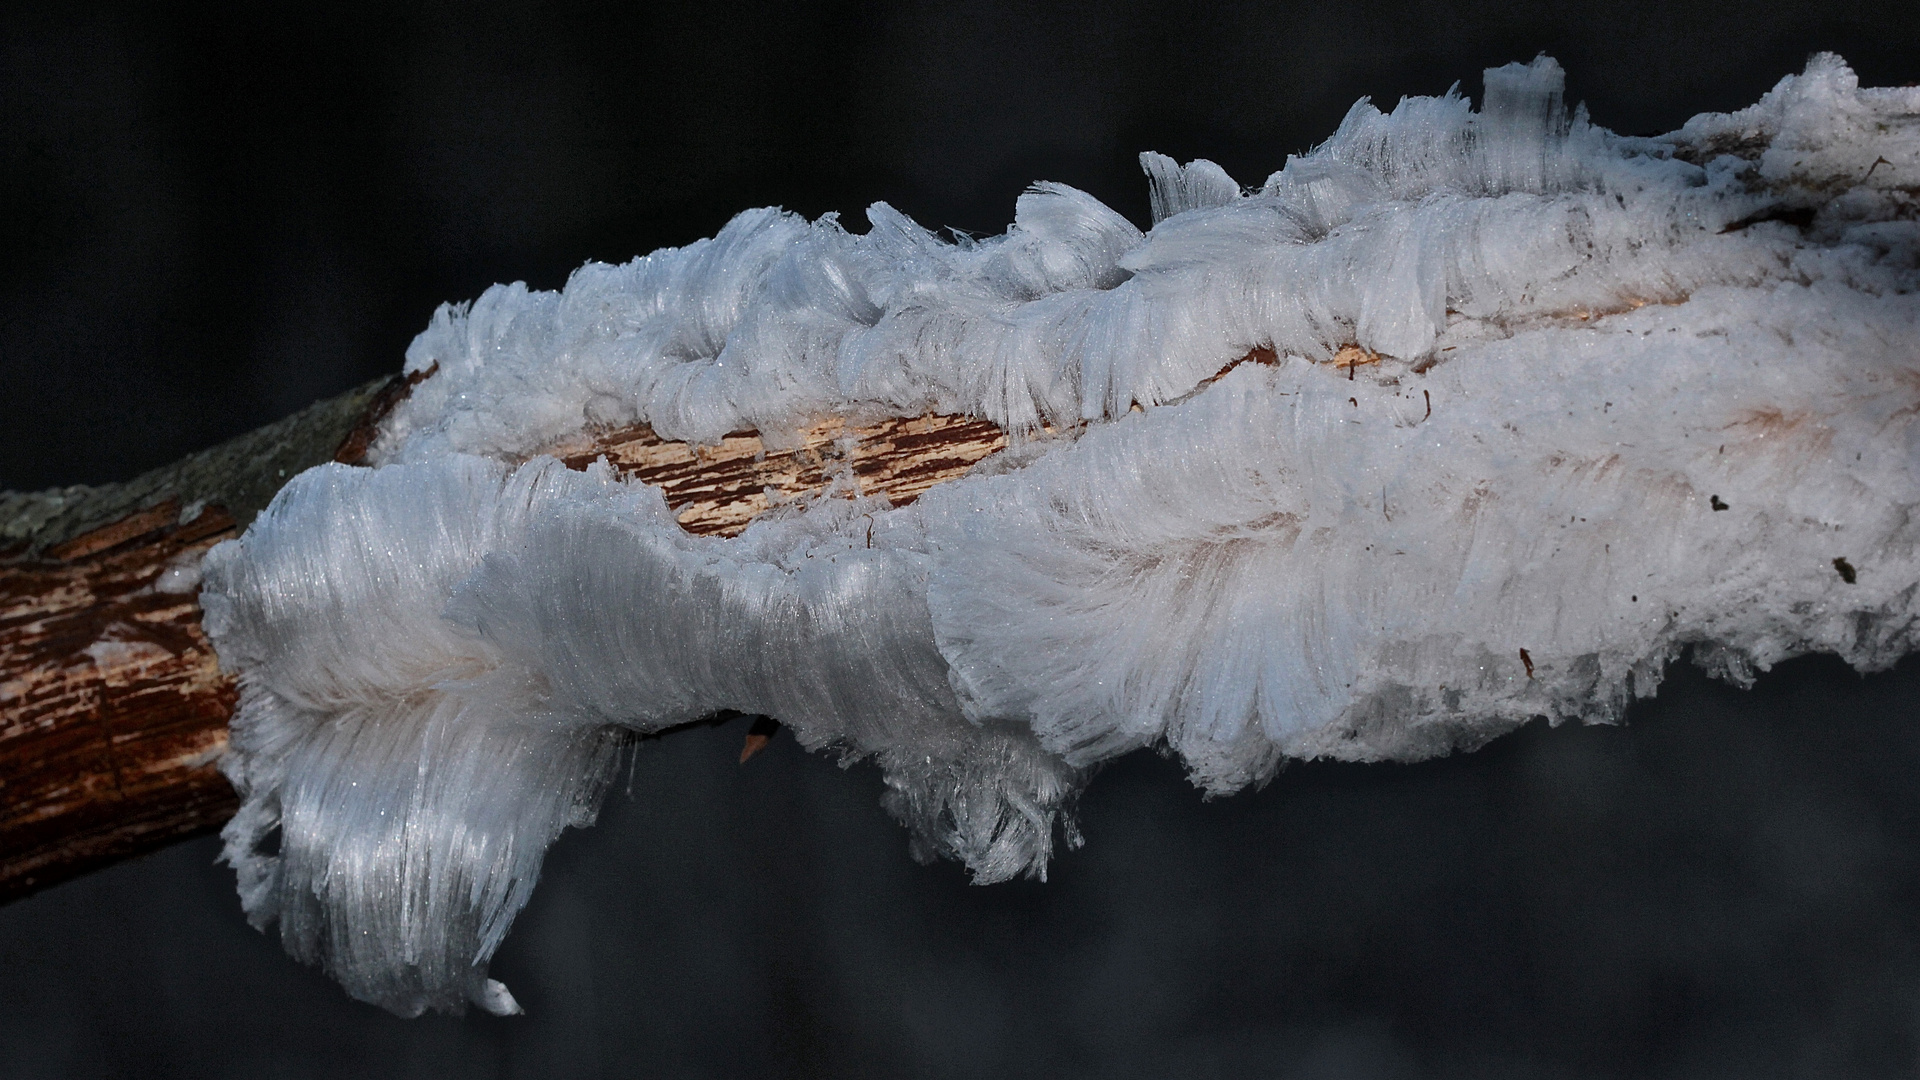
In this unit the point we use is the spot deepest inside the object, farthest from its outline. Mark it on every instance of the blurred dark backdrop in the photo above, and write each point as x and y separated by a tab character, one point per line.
211	216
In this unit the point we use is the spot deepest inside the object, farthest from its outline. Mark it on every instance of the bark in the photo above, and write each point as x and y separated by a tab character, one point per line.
113	707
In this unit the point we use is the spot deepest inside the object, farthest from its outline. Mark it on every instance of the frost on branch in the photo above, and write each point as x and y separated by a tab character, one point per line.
1633	398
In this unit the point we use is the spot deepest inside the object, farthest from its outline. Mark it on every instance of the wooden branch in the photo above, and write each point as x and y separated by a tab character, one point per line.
113	709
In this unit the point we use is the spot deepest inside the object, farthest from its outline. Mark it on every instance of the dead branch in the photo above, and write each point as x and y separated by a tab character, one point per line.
113	708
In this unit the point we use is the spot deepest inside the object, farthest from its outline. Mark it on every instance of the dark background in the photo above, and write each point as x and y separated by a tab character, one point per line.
212	216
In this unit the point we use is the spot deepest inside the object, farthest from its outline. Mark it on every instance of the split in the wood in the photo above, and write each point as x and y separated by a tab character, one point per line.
718	490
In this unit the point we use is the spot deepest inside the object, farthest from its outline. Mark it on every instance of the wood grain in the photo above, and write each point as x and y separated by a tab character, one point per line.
115	708
718	490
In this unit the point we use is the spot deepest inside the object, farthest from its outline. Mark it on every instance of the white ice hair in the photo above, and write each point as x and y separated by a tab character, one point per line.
1634	398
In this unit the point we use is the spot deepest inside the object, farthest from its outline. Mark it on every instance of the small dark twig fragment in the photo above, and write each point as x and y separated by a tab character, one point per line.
1846	571
758	736
1714	501
1528	661
353	449
1800	217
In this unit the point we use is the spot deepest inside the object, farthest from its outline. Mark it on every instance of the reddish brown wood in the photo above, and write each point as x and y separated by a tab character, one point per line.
115	708
717	490
353	449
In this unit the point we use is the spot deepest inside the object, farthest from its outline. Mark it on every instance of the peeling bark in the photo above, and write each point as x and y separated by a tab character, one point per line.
113	708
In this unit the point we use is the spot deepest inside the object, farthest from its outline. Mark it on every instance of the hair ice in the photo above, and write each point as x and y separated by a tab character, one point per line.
1634	397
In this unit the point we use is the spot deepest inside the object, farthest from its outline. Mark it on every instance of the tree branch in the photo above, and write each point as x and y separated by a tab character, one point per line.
113	708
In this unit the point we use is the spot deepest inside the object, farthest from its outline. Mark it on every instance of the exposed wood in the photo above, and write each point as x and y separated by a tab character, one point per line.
719	489
113	708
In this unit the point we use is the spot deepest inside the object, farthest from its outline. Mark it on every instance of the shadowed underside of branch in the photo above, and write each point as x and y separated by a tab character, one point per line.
113	707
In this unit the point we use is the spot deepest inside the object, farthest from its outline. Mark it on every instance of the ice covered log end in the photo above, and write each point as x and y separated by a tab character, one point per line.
1465	417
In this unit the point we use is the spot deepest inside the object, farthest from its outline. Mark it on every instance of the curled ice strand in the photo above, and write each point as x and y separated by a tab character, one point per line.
1173	188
